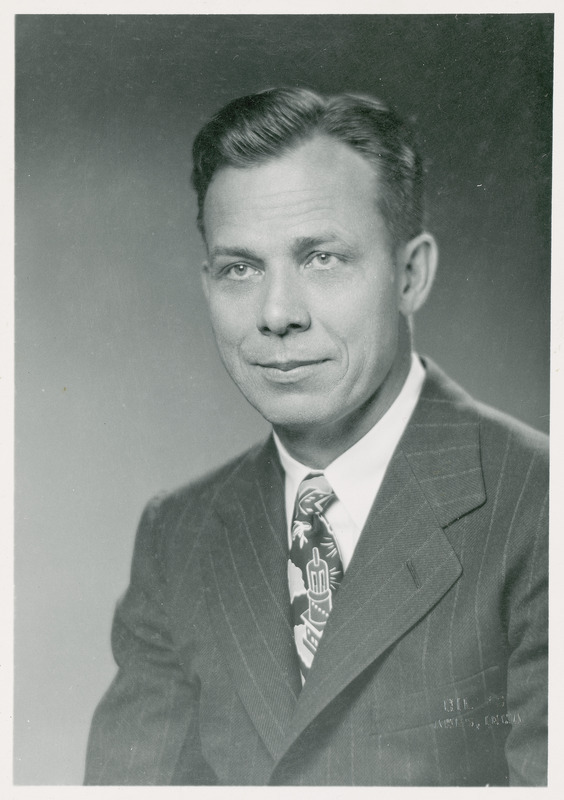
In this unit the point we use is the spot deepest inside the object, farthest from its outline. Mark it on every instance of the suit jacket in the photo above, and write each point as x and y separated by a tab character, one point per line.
432	667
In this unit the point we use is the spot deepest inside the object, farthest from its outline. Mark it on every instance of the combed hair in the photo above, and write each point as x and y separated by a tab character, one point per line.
253	129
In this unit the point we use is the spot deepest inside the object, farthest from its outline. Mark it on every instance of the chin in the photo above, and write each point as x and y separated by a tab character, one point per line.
296	414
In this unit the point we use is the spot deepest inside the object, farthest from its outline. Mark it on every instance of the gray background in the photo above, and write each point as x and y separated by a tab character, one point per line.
119	390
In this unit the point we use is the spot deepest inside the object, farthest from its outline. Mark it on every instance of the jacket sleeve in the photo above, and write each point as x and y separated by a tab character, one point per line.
527	678
144	731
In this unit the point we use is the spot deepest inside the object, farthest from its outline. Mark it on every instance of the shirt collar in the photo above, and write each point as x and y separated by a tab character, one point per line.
357	473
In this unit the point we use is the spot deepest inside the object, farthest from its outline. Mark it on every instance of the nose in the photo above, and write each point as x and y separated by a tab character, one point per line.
283	307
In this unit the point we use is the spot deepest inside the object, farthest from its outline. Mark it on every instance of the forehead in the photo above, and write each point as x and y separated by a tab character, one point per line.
320	182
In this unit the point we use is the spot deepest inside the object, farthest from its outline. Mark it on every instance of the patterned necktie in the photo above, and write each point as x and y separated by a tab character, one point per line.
314	568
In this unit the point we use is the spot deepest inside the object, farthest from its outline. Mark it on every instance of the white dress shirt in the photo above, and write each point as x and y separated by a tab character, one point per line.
357	474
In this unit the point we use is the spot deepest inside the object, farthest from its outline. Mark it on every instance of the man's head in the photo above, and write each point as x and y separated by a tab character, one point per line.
253	129
311	275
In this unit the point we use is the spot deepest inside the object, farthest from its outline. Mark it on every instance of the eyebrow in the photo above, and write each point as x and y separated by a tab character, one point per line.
299	246
328	239
235	252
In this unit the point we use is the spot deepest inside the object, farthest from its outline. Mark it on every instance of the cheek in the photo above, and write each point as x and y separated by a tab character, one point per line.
227	324
373	338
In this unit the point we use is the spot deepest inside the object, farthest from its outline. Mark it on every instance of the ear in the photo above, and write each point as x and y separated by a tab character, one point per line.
205	276
417	261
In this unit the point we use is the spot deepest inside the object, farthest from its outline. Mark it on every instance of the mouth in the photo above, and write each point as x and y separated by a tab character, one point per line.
292	371
288	366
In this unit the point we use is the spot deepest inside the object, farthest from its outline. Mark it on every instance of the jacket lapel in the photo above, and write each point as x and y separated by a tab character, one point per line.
403	563
245	574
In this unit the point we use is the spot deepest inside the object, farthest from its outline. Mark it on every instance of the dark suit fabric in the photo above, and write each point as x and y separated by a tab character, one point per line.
433	666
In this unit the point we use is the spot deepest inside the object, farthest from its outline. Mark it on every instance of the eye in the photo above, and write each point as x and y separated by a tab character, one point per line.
240	272
323	260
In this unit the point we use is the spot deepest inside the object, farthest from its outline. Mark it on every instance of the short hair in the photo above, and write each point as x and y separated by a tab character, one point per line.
258	127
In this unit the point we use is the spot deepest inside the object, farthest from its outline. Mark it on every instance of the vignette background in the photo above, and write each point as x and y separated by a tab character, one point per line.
120	392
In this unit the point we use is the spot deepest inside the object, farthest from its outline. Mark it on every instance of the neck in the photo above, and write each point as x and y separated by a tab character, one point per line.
319	447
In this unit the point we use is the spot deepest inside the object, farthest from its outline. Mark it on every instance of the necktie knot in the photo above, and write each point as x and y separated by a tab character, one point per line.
314	496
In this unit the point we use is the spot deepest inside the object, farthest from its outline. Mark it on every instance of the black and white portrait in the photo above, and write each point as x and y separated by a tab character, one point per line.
282	399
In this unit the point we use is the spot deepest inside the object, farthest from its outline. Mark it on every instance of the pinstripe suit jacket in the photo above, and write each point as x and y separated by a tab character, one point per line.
432	667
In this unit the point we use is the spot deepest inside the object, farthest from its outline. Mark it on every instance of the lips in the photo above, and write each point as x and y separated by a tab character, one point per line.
286	366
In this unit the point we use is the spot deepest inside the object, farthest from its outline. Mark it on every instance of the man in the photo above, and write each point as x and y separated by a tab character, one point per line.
361	599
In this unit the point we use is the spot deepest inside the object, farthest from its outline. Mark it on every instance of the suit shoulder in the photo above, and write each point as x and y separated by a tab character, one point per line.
498	428
512	455
445	400
200	492
174	523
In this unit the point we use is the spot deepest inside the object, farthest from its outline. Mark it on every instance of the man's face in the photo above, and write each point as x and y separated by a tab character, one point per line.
302	285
